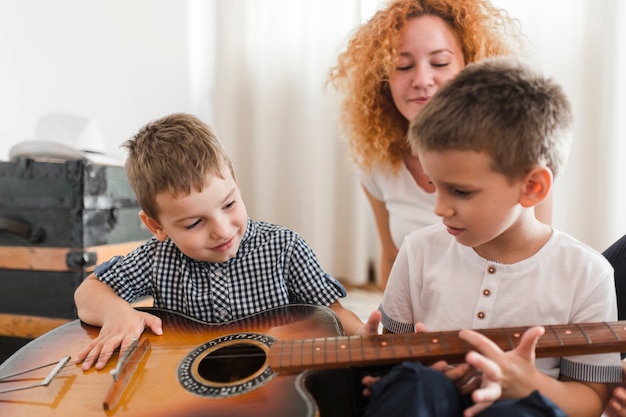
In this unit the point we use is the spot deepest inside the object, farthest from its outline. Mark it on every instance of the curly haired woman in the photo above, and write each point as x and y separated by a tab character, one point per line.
392	65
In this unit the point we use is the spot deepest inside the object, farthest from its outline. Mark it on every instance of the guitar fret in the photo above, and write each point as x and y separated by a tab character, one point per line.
426	344
325	351
583	333
314	351
342	350
508	339
613	331
349	349
335	349
467	346
428	347
362	349
407	343
556	335
375	344
445	344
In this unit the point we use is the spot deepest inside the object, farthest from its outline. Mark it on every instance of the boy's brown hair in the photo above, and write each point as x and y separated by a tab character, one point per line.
504	108
175	154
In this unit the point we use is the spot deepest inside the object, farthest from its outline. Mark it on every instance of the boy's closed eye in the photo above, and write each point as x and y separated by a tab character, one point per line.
461	193
455	191
193	225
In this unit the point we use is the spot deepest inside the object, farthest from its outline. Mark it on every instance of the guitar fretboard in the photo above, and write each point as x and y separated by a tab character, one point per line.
338	352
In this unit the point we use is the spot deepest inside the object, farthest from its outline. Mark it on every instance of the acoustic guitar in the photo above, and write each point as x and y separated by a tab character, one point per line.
257	366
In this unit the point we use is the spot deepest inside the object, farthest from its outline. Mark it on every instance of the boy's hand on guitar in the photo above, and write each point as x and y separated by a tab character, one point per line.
375	318
617	404
370	327
368	381
487	388
465	377
512	371
120	328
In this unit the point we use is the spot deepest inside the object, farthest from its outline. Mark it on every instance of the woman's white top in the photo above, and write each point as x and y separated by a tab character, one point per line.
409	206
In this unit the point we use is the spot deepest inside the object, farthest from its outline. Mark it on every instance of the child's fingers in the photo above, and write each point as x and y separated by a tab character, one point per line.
525	348
420	328
489	369
481	343
528	344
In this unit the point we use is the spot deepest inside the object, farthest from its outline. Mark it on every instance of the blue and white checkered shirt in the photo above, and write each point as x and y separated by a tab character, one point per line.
273	266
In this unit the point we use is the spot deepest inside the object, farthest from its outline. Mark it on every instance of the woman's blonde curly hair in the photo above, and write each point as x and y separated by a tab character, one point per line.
376	129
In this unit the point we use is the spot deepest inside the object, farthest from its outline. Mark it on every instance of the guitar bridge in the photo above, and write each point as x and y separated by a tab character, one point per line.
44	382
124	370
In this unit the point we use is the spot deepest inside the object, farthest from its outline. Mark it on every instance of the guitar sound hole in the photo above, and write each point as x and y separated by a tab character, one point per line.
232	363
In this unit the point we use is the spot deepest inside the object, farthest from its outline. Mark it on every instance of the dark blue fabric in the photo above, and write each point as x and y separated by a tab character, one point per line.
616	255
413	390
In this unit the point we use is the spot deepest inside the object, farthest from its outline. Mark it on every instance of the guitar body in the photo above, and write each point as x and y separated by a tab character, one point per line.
259	366
193	369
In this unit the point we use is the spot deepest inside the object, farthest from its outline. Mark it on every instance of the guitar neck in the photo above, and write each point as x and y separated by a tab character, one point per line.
339	352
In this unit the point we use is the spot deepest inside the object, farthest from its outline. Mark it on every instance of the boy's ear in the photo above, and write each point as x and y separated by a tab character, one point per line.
537	186
153	226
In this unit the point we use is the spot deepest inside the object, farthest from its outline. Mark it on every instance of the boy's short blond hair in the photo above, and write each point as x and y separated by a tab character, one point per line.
175	153
504	108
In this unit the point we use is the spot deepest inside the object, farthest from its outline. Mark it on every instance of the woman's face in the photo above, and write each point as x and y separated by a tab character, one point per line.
430	54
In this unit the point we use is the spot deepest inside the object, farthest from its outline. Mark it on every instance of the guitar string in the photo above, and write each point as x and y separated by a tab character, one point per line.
253	354
182	347
73	363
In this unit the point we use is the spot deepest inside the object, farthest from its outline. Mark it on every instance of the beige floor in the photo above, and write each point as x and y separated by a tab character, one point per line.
362	301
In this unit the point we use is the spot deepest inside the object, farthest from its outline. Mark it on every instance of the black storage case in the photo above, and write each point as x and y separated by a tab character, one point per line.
58	219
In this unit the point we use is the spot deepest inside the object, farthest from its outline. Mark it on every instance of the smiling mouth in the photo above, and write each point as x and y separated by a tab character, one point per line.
225	246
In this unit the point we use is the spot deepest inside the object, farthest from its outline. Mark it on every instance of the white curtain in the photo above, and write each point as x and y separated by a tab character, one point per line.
280	124
582	44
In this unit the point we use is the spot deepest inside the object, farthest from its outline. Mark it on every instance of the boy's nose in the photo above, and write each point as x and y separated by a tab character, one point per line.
442	208
219	230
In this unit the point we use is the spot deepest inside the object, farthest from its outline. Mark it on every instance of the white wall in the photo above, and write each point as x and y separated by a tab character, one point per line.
125	62
578	42
121	63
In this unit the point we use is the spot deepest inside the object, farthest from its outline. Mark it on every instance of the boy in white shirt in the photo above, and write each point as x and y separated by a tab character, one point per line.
491	141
